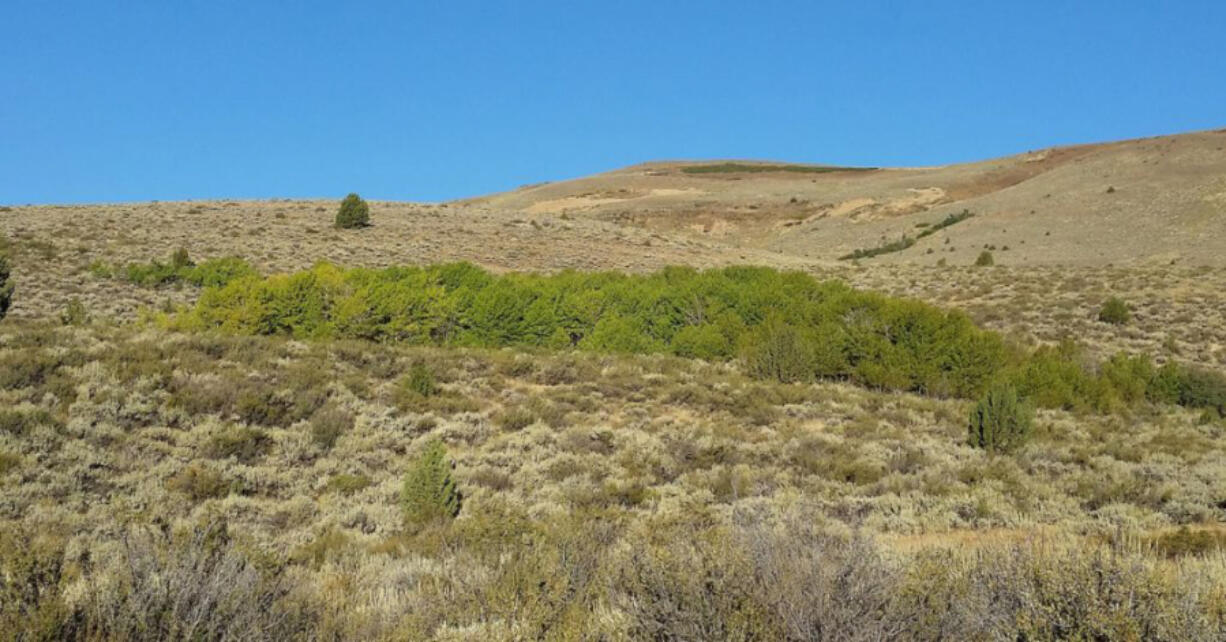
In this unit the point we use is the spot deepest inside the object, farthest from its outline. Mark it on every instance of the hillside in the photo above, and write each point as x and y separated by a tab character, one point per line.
216	423
1151	241
1146	201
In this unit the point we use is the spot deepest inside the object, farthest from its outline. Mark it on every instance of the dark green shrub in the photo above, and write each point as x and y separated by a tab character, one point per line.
6	286
346	484
27	368
1188	387
985	259
1000	421
180	260
1203	389
240	442
354	212
260	405
1187	542
952	219
885	248
780	351
516	418
420	381
430	494
20	422
199	483
1115	312
33	572
9	462
328	424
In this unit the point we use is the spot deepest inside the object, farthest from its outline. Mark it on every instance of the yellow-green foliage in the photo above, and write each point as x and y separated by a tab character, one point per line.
822	330
1115	312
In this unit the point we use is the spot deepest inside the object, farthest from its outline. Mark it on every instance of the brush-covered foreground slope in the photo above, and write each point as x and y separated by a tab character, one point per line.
168	486
1146	201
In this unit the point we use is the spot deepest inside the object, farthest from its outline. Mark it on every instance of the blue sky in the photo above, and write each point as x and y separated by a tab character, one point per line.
434	100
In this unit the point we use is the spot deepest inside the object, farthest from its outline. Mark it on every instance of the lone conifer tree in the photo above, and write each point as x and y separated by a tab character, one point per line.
1001	421
354	212
430	494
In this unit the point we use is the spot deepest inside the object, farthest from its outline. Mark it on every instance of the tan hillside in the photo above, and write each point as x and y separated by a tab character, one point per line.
1153	200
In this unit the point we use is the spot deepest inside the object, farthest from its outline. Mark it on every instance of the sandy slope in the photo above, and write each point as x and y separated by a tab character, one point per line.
1152	200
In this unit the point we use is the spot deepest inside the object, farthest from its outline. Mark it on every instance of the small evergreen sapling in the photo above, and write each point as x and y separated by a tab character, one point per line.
430	494
1001	421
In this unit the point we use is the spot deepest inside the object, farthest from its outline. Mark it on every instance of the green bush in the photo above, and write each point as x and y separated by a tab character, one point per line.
33	575
1001	421
180	269
199	483
179	259
259	405
20	422
354	212
885	248
815	329
218	272
430	494
516	418
153	274
74	313
952	219
346	484
1187	542
781	351
420	381
242	443
6	286
1115	312
1202	389
328	424
985	259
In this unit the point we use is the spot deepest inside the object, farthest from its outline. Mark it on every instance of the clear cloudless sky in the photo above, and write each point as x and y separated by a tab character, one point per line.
183	99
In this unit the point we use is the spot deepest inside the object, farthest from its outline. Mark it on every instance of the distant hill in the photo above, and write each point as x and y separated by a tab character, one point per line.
1152	200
